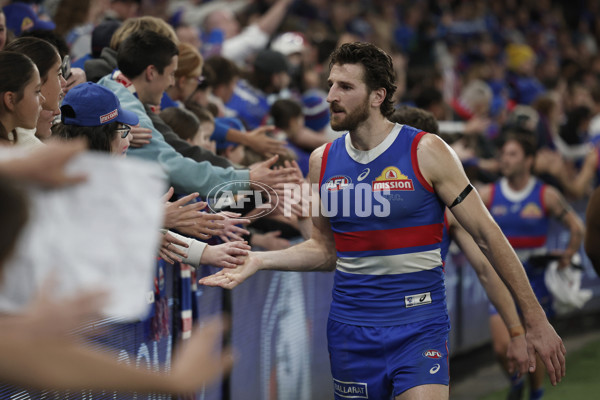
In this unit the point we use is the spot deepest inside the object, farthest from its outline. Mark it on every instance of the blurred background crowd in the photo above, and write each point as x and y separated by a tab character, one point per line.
480	67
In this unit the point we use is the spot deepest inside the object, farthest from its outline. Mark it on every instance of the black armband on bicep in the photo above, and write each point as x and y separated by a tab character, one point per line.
459	199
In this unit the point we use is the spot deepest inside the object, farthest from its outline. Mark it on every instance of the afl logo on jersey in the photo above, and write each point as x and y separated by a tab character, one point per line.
337	182
392	179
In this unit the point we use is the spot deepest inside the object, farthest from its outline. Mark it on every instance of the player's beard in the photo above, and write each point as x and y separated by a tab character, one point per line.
352	119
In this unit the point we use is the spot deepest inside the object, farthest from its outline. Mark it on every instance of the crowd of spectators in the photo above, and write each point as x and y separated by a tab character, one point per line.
482	68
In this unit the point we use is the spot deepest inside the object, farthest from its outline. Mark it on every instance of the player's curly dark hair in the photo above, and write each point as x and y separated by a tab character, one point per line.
379	69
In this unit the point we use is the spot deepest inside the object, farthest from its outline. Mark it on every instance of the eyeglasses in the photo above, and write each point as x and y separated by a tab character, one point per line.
124	131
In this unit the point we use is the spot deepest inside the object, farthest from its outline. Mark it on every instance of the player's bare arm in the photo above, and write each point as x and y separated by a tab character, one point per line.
316	254
498	294
441	167
562	211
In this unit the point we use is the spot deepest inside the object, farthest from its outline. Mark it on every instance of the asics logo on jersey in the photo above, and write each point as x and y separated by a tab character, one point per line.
363	174
434	369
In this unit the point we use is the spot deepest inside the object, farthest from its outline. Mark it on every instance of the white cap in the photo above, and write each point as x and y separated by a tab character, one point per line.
289	43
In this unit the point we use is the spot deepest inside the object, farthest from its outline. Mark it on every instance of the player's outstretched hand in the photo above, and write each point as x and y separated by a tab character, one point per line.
230	278
226	255
543	339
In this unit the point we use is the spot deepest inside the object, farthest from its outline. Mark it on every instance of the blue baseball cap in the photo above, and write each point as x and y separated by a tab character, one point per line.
89	104
315	109
20	17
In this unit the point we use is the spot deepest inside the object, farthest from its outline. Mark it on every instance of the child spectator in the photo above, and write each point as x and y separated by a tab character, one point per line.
288	118
189	127
234	152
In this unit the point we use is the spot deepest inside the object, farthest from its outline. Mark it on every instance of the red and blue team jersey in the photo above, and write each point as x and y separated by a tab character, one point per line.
445	245
524	220
387	225
522	216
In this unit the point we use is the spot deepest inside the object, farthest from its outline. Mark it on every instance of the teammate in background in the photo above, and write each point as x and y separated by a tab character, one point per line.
522	206
516	348
388	323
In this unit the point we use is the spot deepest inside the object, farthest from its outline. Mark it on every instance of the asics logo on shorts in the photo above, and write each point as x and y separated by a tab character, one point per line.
434	369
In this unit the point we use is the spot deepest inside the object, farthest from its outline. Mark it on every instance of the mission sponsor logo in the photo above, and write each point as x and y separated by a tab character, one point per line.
350	390
433	354
392	179
338	182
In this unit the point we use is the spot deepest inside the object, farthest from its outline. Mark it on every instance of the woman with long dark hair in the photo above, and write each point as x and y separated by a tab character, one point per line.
49	64
20	95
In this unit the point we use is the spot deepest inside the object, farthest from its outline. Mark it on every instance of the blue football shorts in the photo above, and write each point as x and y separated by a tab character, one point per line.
381	362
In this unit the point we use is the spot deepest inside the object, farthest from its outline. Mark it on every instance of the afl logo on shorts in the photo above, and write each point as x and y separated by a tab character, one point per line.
338	182
434	354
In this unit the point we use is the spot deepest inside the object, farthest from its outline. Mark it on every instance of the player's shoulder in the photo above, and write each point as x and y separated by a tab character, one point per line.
317	155
432	142
551	194
315	162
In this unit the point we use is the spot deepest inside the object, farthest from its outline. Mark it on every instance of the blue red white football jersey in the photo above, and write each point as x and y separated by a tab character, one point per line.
387	225
522	216
445	245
